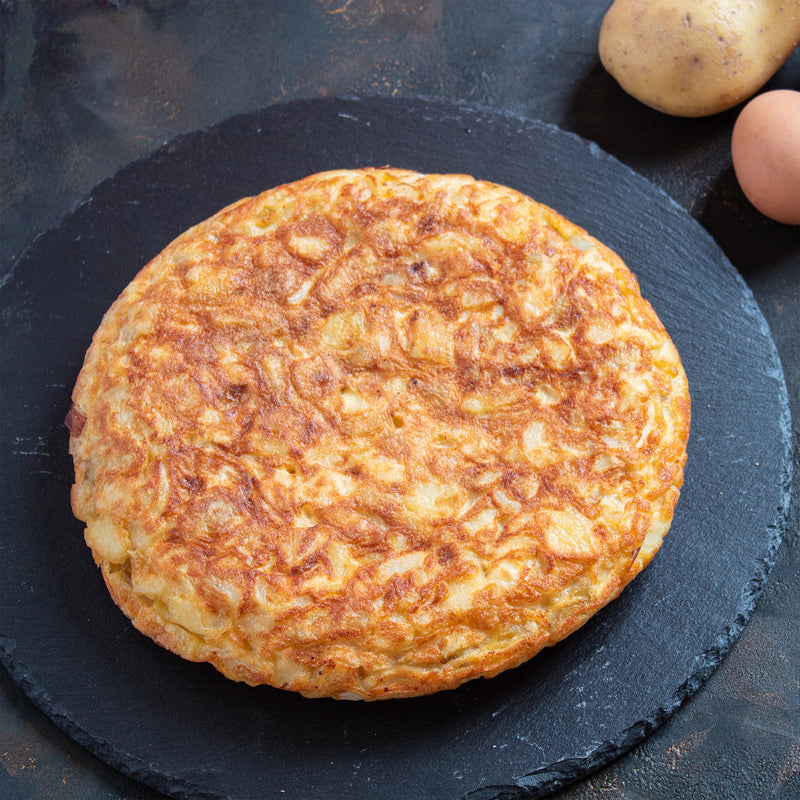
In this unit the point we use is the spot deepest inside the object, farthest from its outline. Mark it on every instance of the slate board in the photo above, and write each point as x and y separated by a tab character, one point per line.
186	731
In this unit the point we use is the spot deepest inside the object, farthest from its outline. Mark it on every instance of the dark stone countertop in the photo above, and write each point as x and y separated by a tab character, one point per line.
88	87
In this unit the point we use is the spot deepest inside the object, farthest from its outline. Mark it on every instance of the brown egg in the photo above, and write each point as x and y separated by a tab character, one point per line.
766	154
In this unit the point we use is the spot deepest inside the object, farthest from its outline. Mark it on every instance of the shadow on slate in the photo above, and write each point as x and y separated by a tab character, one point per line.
186	731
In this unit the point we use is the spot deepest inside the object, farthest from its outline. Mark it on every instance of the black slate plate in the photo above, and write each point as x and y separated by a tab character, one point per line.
185	730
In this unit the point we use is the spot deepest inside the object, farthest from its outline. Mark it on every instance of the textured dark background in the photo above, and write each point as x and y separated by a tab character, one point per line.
89	86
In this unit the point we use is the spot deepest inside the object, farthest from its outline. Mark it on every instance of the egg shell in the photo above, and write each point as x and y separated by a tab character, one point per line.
765	148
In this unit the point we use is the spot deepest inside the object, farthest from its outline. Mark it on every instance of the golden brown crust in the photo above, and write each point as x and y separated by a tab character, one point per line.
375	433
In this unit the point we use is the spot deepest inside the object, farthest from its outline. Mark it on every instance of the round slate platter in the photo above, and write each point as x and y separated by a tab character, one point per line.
185	730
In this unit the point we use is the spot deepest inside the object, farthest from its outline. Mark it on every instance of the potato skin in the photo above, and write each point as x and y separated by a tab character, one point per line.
693	58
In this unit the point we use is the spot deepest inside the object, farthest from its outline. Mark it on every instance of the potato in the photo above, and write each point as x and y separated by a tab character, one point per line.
692	58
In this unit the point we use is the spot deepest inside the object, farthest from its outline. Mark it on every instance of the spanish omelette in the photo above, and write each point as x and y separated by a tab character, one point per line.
375	433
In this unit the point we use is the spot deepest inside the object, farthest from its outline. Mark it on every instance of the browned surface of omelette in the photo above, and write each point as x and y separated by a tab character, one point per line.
375	433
